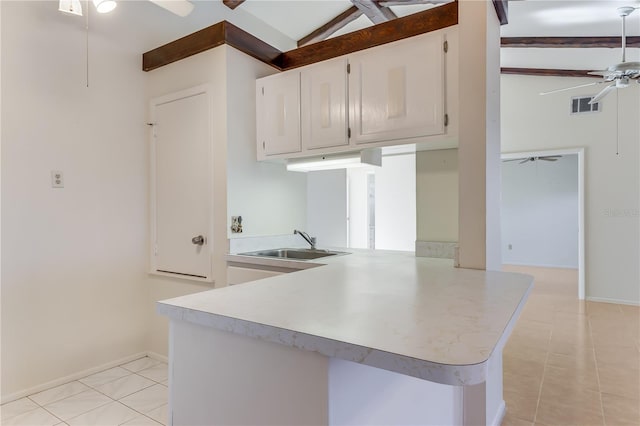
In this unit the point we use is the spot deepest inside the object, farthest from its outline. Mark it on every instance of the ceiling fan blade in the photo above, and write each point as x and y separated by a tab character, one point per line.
604	92
571	88
526	160
547	159
511	159
179	7
551	156
603	73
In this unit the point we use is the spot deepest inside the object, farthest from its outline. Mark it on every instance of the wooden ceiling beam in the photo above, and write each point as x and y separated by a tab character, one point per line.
232	4
331	27
408	2
397	29
546	72
225	33
208	38
567	42
502	10
376	13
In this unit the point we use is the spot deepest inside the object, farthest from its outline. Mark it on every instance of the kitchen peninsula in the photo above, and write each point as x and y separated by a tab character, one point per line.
372	337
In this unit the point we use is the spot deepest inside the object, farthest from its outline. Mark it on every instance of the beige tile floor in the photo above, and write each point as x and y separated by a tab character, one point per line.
570	362
132	394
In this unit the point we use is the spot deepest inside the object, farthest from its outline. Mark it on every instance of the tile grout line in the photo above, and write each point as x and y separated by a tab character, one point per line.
595	360
544	372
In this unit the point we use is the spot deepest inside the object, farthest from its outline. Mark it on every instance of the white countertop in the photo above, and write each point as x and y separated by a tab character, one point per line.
416	316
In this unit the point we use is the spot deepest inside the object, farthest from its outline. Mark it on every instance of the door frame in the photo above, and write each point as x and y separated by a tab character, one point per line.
581	190
170	97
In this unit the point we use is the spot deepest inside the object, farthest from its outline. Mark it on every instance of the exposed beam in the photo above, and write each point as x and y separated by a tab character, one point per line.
331	27
407	2
232	4
397	29
548	72
226	33
502	9
376	13
208	38
610	42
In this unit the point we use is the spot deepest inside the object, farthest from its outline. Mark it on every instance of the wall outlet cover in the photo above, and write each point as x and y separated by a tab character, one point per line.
57	179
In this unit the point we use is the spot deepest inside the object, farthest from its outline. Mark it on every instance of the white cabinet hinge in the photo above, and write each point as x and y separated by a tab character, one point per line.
263	146
155	249
348	68
446	120
446	46
349	132
263	91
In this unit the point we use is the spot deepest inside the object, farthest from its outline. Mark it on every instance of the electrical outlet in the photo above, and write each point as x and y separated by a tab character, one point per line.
236	224
57	179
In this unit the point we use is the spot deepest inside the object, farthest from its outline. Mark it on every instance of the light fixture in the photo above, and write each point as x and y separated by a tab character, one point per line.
365	158
70	6
104	6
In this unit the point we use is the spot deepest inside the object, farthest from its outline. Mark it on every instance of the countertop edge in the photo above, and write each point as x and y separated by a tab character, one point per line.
456	375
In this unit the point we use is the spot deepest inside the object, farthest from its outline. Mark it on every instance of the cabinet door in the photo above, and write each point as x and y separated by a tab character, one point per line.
181	176
278	114
239	275
396	91
324	105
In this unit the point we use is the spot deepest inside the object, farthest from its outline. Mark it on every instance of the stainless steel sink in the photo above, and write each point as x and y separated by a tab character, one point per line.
296	254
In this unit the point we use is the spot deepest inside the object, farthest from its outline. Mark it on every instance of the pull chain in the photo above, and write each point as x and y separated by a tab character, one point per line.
617	123
87	43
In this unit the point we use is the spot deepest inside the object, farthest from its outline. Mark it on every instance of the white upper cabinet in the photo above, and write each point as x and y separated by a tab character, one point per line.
396	91
324	104
278	114
387	95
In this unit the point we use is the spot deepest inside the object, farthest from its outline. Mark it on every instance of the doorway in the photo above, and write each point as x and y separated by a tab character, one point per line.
543	210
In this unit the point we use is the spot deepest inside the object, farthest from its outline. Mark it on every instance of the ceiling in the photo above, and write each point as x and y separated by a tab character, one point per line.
140	25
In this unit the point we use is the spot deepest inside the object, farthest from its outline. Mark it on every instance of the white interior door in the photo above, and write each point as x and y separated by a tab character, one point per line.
182	181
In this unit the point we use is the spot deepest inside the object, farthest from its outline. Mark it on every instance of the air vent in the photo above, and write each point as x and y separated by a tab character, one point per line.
581	105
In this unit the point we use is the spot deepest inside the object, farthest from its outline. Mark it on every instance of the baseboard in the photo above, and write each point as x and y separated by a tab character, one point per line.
157	356
75	376
502	410
539	266
616	301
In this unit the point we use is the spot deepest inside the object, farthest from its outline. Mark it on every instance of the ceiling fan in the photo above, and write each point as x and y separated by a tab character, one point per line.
532	159
179	7
619	75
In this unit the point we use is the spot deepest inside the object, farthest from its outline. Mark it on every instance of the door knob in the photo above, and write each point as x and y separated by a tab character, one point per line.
199	240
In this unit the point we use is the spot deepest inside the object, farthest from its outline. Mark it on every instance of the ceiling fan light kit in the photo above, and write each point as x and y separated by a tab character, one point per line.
104	6
73	7
619	75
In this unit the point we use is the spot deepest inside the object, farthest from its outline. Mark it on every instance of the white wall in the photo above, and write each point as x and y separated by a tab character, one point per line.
358	208
73	264
540	213
396	203
437	195
612	194
270	200
327	207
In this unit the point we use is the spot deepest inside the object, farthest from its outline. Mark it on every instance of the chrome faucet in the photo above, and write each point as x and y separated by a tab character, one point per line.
307	238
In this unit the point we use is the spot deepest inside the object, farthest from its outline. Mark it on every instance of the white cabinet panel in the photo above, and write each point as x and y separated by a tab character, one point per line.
181	184
239	275
324	104
278	114
396	91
